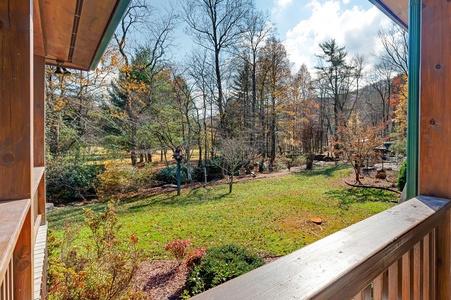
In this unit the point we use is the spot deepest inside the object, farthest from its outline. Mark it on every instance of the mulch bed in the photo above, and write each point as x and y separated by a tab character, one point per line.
165	279
161	279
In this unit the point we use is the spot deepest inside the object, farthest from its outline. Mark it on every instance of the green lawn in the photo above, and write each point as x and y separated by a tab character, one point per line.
267	215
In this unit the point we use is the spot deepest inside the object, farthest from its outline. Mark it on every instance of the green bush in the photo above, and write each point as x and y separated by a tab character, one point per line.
402	176
220	265
122	178
70	180
169	174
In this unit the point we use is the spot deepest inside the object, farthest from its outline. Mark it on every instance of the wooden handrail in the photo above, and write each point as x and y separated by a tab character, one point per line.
343	264
13	214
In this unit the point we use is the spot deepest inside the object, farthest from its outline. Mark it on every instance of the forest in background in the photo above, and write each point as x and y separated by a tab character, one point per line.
235	100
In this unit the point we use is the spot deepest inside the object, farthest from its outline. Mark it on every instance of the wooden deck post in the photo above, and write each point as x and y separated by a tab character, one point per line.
435	125
16	93
16	129
39	131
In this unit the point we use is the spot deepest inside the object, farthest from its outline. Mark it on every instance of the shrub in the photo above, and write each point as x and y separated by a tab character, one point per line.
220	265
402	176
214	171
102	267
178	248
169	174
68	180
120	178
194	257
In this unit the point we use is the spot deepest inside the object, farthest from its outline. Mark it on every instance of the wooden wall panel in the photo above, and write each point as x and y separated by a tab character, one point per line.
15	99
435	122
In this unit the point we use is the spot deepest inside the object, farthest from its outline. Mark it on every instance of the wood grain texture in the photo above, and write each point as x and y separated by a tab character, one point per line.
432	265
39	111
417	274
12	219
443	259
38	174
406	276
42	201
23	261
393	282
425	268
96	15
435	122
57	21
399	7
365	294
15	99
380	287
342	264
38	43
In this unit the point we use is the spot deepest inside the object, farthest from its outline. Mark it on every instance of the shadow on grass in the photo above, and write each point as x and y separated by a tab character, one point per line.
193	197
327	171
60	217
361	195
69	214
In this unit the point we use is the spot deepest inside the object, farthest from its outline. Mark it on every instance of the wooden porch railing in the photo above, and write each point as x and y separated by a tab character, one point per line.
401	253
20	221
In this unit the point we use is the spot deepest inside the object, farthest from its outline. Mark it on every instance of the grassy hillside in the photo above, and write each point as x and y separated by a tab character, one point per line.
268	215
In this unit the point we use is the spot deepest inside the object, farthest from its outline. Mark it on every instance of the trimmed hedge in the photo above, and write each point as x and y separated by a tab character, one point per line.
220	265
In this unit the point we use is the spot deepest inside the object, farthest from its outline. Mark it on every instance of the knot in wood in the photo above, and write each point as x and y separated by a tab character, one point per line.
8	158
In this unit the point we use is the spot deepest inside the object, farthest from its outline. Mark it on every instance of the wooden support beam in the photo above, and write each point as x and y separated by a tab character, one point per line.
435	123
16	92
435	129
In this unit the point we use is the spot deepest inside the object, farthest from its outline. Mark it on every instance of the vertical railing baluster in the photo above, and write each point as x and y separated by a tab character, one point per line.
417	286
406	275
380	288
393	285
425	268
11	280
365	294
432	269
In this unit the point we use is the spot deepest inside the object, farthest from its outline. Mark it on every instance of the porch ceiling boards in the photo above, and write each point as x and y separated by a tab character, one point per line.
397	10
74	33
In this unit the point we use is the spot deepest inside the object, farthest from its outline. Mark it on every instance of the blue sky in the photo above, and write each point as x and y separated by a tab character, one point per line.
303	24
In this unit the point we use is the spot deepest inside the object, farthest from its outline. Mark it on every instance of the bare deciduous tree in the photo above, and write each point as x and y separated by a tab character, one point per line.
217	25
236	153
395	43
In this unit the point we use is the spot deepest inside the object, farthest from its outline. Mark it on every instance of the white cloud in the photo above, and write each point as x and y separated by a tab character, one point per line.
354	28
283	3
346	1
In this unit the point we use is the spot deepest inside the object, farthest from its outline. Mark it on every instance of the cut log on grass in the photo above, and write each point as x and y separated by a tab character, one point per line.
373	187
